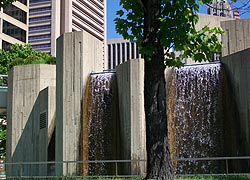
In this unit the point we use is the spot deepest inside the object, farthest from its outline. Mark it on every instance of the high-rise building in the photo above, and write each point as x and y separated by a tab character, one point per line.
44	24
14	24
119	51
51	18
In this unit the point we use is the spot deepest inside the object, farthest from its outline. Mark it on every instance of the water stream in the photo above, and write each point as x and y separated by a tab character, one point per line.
195	116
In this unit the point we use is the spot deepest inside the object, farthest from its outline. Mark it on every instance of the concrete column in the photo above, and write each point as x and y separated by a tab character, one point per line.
27	135
130	78
236	37
78	54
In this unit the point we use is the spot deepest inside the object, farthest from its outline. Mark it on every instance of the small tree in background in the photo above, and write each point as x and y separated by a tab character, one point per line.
21	55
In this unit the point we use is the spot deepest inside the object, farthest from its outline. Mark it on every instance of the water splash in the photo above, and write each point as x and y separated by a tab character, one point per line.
194	116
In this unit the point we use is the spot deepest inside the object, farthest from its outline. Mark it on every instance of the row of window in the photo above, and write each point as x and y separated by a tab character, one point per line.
16	13
39	19
32	38
39	28
40	10
14	31
118	52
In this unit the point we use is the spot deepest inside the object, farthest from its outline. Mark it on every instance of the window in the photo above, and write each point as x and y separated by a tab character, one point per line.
16	13
14	31
6	45
109	56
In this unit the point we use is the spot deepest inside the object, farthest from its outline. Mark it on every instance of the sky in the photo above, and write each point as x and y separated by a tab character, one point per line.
113	6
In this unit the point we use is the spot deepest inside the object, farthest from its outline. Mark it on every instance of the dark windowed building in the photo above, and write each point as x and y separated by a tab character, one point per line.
14	24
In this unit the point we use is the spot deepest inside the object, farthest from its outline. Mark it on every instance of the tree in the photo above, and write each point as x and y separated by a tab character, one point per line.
22	54
160	26
4	3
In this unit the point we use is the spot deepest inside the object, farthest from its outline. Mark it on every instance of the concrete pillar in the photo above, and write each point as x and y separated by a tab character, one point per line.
78	54
130	79
30	113
236	37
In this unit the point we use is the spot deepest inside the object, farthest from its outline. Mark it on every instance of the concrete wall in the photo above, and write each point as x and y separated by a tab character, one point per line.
130	78
237	67
236	36
78	54
26	140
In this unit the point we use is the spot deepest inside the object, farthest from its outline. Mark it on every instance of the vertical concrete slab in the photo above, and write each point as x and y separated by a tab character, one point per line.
236	37
78	54
130	79
26	135
237	69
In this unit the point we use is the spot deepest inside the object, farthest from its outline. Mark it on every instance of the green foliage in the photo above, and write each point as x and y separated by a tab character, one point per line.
177	30
225	177
3	139
21	55
4	3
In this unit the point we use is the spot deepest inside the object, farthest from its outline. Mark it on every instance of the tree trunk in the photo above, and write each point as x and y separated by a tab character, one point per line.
158	166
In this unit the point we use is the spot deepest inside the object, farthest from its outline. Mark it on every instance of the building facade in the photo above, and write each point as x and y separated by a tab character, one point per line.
51	18
44	24
14	24
119	51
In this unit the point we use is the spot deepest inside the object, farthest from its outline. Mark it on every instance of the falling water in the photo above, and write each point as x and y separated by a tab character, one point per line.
194	117
101	122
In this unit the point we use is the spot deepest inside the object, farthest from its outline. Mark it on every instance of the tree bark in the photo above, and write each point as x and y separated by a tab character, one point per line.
158	164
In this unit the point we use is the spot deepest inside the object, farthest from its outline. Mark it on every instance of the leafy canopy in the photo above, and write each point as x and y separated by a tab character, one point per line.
21	55
177	30
4	3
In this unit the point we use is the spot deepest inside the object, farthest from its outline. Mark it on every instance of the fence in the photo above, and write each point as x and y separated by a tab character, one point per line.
116	163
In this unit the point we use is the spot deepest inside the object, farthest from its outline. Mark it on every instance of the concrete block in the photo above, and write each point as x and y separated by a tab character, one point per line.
78	54
30	112
237	69
236	37
130	79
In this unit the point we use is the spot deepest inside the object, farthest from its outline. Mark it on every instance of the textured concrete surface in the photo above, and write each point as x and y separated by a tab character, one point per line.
3	100
130	79
78	54
236	36
237	69
27	136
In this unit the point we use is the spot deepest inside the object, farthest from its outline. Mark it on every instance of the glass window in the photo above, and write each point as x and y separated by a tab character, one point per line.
40	10
37	1
14	31
39	28
123	52
114	56
23	1
118	53
109	56
133	50
128	51
16	13
6	45
39	37
40	19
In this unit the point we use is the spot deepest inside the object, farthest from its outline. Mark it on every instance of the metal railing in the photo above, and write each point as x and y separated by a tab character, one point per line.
3	81
23	167
223	159
135	163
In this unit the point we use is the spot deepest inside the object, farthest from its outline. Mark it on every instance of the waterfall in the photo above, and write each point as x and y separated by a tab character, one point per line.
195	125
100	143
